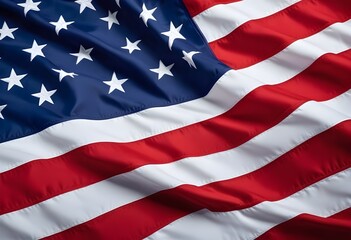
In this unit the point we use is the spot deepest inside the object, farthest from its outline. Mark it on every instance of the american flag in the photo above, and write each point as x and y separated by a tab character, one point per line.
171	119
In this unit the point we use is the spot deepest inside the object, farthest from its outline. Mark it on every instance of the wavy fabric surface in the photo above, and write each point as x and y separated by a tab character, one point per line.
194	119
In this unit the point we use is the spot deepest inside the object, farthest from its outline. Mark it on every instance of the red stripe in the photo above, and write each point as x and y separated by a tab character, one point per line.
197	6
309	227
40	180
260	39
314	160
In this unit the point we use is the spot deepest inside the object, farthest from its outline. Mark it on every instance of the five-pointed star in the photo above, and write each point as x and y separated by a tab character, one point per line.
173	34
163	70
5	31
13	80
83	54
44	95
131	46
85	4
35	50
29	5
61	24
146	14
2	107
63	74
111	19
115	83
188	57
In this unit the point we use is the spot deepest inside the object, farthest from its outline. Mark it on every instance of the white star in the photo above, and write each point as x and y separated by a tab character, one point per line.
111	19
29	5
131	46
188	57
85	4
63	74
61	24
5	31
35	50
163	70
146	14
115	83
14	79
2	107
173	34
83	54
118	3
44	95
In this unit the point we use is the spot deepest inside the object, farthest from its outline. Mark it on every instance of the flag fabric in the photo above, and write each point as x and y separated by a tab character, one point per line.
170	119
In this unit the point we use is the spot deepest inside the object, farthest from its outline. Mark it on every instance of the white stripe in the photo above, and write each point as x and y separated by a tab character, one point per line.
323	199
220	20
229	89
89	202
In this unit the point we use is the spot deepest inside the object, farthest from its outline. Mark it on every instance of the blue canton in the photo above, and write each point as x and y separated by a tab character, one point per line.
89	59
